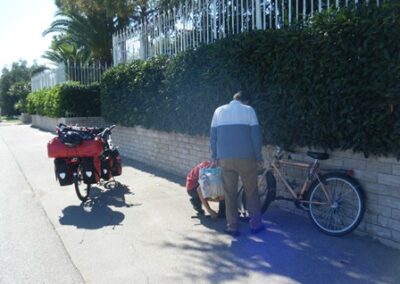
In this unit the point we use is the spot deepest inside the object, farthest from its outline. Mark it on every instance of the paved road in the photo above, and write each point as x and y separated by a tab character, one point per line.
30	249
143	232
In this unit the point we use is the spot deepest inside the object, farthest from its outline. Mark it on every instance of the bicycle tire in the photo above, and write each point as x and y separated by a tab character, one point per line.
86	191
266	196
346	210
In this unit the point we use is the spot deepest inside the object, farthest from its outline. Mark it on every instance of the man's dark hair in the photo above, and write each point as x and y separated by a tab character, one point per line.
242	96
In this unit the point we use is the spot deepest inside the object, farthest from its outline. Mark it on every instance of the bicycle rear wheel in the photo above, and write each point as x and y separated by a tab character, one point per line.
346	208
82	190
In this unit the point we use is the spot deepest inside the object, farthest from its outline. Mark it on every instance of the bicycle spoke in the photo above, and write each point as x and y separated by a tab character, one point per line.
344	212
351	216
345	194
334	191
341	220
324	215
330	219
348	205
320	196
344	217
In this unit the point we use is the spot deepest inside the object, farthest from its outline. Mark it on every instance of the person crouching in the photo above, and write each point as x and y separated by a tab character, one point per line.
196	196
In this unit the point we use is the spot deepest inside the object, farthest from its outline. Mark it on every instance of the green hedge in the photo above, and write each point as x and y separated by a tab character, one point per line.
130	94
333	84
45	102
70	99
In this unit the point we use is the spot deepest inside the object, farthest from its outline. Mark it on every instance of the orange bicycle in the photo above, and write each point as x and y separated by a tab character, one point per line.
334	200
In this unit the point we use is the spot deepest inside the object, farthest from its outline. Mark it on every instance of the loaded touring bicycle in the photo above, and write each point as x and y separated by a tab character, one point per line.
84	156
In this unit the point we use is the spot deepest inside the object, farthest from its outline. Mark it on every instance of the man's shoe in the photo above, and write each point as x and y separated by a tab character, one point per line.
258	230
233	233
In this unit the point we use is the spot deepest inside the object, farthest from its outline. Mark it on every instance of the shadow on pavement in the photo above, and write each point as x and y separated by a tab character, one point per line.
96	213
217	224
154	171
291	250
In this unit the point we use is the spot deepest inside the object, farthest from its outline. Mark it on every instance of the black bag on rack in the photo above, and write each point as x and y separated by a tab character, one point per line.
106	166
63	172
116	163
88	170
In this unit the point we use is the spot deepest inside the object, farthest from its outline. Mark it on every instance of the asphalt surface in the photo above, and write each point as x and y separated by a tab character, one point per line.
145	231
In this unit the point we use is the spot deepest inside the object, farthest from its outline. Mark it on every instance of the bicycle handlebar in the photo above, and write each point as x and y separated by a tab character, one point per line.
106	131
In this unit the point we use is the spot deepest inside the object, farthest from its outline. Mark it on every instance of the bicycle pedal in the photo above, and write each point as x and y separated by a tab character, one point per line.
300	205
304	207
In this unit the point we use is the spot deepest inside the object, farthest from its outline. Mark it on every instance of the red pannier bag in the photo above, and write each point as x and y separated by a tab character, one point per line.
88	148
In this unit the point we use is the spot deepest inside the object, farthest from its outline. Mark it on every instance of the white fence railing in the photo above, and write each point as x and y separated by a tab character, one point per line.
48	78
204	21
86	74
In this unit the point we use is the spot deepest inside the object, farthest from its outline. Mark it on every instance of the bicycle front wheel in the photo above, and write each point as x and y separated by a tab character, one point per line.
337	204
266	192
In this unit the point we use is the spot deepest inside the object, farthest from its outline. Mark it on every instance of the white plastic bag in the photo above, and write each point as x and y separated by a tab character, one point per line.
210	182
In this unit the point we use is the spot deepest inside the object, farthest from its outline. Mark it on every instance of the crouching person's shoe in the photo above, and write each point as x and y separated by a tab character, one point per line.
196	203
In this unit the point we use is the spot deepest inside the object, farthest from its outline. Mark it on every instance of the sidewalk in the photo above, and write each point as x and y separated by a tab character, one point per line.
145	232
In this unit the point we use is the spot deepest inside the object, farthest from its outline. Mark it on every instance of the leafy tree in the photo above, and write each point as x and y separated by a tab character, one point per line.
20	91
85	27
92	34
124	10
63	48
9	95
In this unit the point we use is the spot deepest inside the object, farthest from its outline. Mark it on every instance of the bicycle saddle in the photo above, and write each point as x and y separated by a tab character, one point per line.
318	155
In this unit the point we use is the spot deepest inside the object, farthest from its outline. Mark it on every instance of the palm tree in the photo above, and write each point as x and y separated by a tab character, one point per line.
88	34
63	49
87	26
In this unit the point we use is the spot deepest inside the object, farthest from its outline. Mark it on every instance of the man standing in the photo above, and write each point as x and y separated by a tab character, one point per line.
236	143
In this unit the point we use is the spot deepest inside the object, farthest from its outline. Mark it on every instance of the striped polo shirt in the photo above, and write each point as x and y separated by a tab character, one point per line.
235	132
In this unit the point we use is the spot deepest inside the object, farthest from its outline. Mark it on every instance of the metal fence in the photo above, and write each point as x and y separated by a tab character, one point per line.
48	78
205	21
86	74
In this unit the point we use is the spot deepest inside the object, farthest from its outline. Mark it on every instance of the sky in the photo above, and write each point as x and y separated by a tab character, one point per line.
22	23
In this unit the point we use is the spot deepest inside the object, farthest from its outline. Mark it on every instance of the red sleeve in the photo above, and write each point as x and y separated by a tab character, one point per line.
192	179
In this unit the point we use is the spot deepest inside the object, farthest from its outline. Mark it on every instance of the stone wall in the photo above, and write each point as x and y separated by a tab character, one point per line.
178	153
172	152
49	124
379	176
380	179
